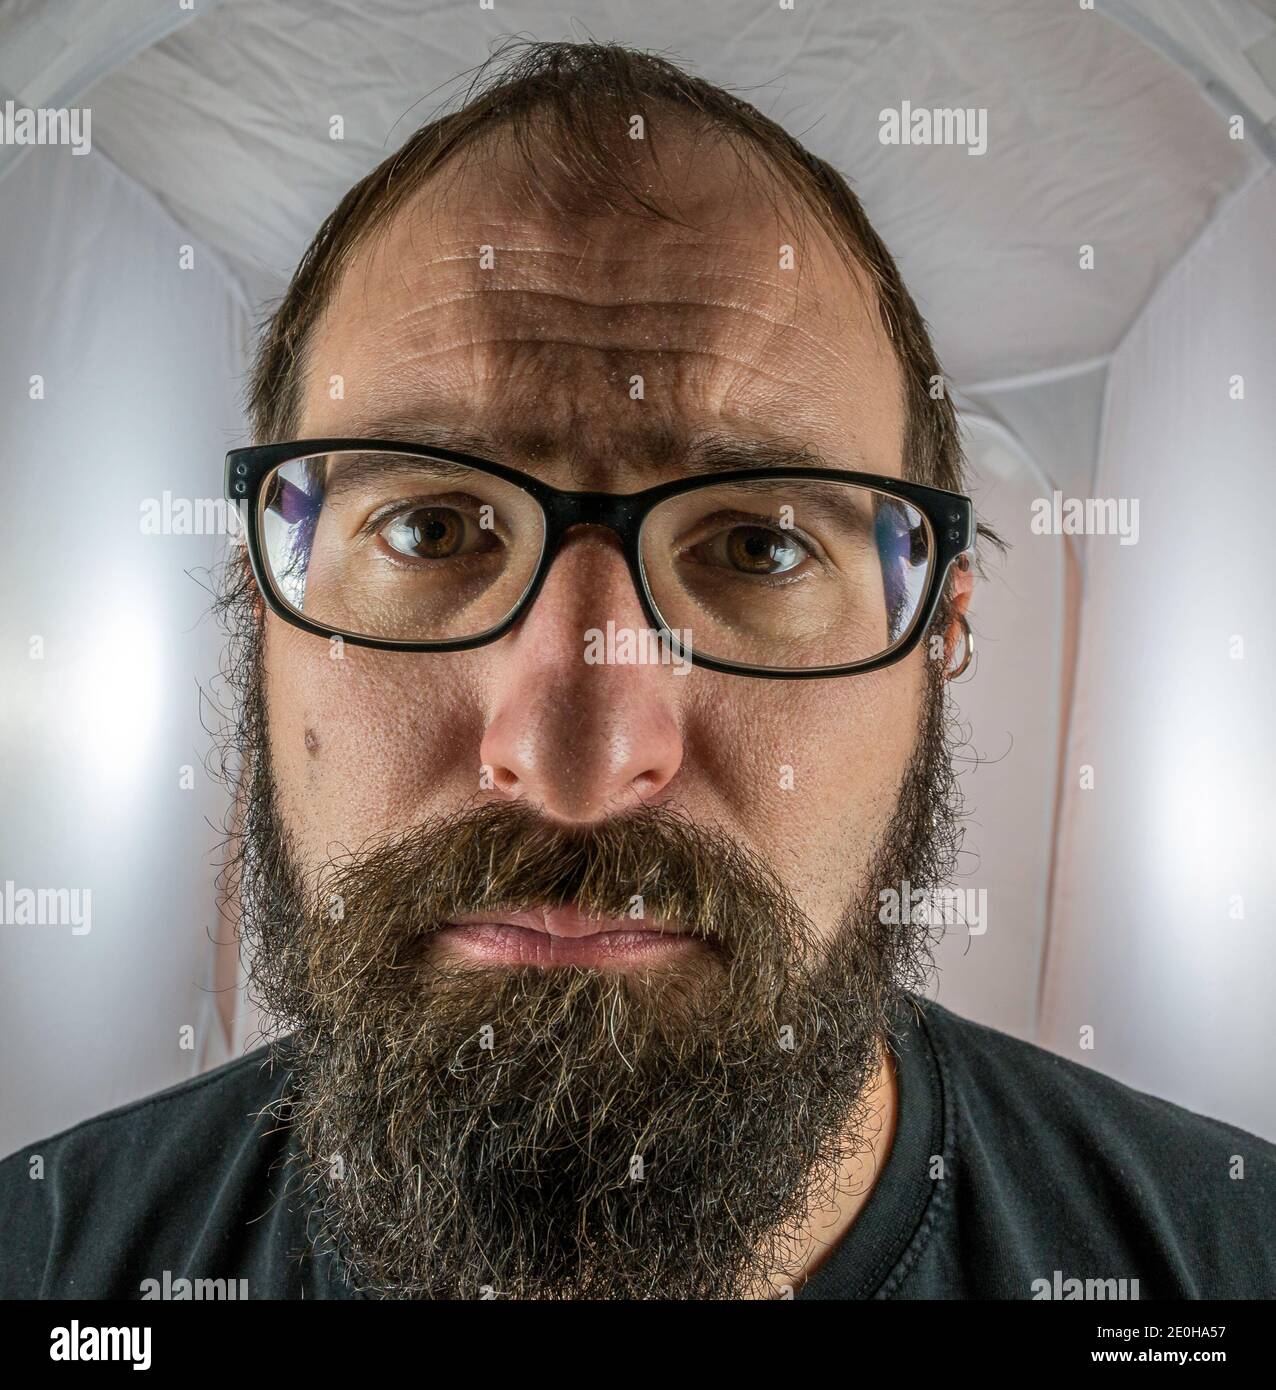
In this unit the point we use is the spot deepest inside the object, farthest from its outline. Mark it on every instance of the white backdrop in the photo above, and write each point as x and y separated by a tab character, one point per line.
1174	701
1011	705
141	365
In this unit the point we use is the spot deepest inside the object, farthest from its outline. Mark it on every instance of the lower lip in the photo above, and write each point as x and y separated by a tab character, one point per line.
500	944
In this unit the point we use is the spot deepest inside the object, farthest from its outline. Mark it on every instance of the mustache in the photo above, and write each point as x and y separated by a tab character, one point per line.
653	863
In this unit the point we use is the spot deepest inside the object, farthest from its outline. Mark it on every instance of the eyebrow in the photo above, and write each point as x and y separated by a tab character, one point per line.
649	453
431	434
720	453
346	471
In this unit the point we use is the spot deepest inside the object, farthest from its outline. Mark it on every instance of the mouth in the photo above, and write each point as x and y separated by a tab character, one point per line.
555	936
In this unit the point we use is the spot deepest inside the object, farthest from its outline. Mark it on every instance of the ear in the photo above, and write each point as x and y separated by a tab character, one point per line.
962	585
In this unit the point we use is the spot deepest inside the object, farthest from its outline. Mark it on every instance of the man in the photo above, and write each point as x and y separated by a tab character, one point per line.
608	558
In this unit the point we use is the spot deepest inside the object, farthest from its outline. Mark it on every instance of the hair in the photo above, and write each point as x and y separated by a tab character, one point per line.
559	106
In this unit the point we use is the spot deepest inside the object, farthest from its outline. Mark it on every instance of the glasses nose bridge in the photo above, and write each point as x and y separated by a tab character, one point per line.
617	512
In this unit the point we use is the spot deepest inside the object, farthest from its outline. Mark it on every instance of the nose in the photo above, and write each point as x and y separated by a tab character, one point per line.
579	738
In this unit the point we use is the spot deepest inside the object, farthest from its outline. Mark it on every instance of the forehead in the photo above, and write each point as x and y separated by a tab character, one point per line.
600	345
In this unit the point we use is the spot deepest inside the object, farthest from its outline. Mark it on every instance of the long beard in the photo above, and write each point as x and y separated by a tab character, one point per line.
566	1133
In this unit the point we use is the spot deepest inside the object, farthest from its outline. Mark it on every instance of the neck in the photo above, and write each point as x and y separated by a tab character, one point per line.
836	1204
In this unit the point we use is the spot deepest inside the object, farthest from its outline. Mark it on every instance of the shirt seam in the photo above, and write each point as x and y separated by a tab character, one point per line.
937	1202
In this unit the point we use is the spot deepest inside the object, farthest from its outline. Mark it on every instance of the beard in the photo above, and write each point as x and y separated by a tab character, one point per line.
468	1131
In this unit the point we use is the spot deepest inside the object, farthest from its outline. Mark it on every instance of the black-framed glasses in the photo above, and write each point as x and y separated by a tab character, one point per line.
788	573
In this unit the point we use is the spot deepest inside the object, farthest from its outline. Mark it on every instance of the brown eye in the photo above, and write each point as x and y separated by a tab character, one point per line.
760	550
432	533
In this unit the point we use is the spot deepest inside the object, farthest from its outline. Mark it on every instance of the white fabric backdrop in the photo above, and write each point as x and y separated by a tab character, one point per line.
1011	706
1092	137
1178	726
141	364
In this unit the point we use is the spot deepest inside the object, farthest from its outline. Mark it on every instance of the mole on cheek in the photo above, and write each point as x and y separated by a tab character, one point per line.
312	742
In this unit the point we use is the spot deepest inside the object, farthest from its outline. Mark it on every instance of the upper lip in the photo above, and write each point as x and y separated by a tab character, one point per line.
566	921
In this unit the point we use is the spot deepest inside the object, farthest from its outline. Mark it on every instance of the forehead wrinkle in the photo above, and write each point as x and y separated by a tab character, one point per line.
626	351
721	258
680	313
607	263
711	266
797	339
835	350
475	294
635	304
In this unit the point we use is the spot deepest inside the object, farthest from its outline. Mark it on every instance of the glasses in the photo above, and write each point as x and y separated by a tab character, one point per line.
778	572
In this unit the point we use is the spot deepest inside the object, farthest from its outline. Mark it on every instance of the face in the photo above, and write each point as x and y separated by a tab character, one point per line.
536	355
520	1100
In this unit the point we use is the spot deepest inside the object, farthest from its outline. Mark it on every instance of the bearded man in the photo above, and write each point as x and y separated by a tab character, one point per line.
576	946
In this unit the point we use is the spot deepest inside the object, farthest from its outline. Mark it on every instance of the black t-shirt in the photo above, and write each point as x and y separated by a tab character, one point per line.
1013	1174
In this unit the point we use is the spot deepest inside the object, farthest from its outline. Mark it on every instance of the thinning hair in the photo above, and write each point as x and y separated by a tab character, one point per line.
563	110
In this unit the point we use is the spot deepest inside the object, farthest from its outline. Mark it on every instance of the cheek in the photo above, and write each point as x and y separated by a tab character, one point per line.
363	741
808	772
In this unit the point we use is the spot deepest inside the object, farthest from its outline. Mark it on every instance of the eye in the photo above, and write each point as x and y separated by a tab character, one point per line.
436	533
760	550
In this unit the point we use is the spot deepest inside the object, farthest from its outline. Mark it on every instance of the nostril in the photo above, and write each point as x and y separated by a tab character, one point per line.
647	784
499	778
